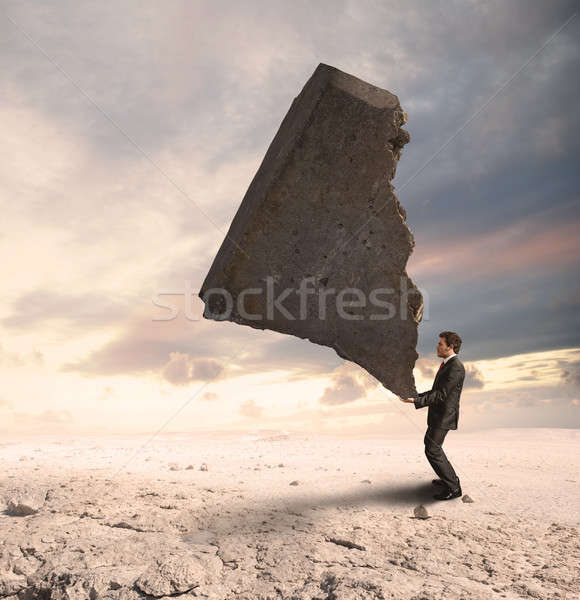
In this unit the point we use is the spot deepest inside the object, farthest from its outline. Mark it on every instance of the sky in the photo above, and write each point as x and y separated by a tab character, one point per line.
131	132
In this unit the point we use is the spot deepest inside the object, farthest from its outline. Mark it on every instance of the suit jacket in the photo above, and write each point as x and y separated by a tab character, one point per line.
443	398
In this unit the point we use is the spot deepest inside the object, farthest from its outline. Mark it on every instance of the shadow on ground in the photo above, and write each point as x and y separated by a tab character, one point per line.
280	515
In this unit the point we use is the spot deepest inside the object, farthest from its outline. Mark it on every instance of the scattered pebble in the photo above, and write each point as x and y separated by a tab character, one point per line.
466	498
294	482
174	467
189	468
203	467
420	512
345	543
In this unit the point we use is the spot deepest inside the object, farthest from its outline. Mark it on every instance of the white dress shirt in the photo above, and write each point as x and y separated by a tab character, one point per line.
446	359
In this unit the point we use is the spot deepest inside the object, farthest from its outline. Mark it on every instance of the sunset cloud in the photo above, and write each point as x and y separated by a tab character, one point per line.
525	245
473	377
182	369
349	383
15	359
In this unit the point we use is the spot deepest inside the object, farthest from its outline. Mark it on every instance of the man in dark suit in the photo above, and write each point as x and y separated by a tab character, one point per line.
443	414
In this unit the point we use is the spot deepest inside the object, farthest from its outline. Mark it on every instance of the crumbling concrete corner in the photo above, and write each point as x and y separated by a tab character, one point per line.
319	245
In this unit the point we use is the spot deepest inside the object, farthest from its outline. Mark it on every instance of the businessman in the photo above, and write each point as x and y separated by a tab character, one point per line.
443	414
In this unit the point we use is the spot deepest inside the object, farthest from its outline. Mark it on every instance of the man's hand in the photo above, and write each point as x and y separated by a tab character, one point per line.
411	400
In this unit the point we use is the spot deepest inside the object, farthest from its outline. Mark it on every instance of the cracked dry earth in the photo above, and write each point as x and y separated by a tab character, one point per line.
297	517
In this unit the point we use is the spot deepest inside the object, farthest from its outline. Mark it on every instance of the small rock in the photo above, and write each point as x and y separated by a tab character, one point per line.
366	481
203	467
420	512
280	464
174	467
25	504
293	482
345	543
466	498
189	468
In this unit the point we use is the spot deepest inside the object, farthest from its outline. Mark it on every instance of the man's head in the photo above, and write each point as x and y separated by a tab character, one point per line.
449	342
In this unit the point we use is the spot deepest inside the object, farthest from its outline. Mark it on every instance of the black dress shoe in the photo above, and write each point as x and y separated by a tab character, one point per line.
438	482
449	494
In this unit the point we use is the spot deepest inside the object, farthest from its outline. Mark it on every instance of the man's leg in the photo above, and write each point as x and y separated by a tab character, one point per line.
436	457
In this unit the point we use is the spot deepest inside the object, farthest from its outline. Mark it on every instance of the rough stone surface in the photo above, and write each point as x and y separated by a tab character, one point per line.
251	537
321	213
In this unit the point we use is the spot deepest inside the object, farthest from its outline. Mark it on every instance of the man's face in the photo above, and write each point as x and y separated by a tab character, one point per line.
443	350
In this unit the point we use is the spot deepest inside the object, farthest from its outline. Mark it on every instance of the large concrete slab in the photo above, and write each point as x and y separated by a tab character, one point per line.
320	219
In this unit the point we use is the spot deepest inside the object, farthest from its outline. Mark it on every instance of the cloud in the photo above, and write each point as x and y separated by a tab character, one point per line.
13	359
343	390
182	369
527	243
570	372
501	316
145	345
549	137
527	395
34	309
178	370
348	384
250	409
473	376
427	367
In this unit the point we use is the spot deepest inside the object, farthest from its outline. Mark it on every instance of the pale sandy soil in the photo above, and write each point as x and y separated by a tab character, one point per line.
115	522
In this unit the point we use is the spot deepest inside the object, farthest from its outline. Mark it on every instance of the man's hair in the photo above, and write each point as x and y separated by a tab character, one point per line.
451	339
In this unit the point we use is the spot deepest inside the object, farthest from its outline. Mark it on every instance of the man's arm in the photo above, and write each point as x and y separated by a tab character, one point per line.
438	397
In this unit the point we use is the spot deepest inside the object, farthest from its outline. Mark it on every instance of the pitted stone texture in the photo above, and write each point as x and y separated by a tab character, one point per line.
321	212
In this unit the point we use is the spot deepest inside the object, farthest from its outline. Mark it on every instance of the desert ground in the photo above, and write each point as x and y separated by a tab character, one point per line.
277	515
